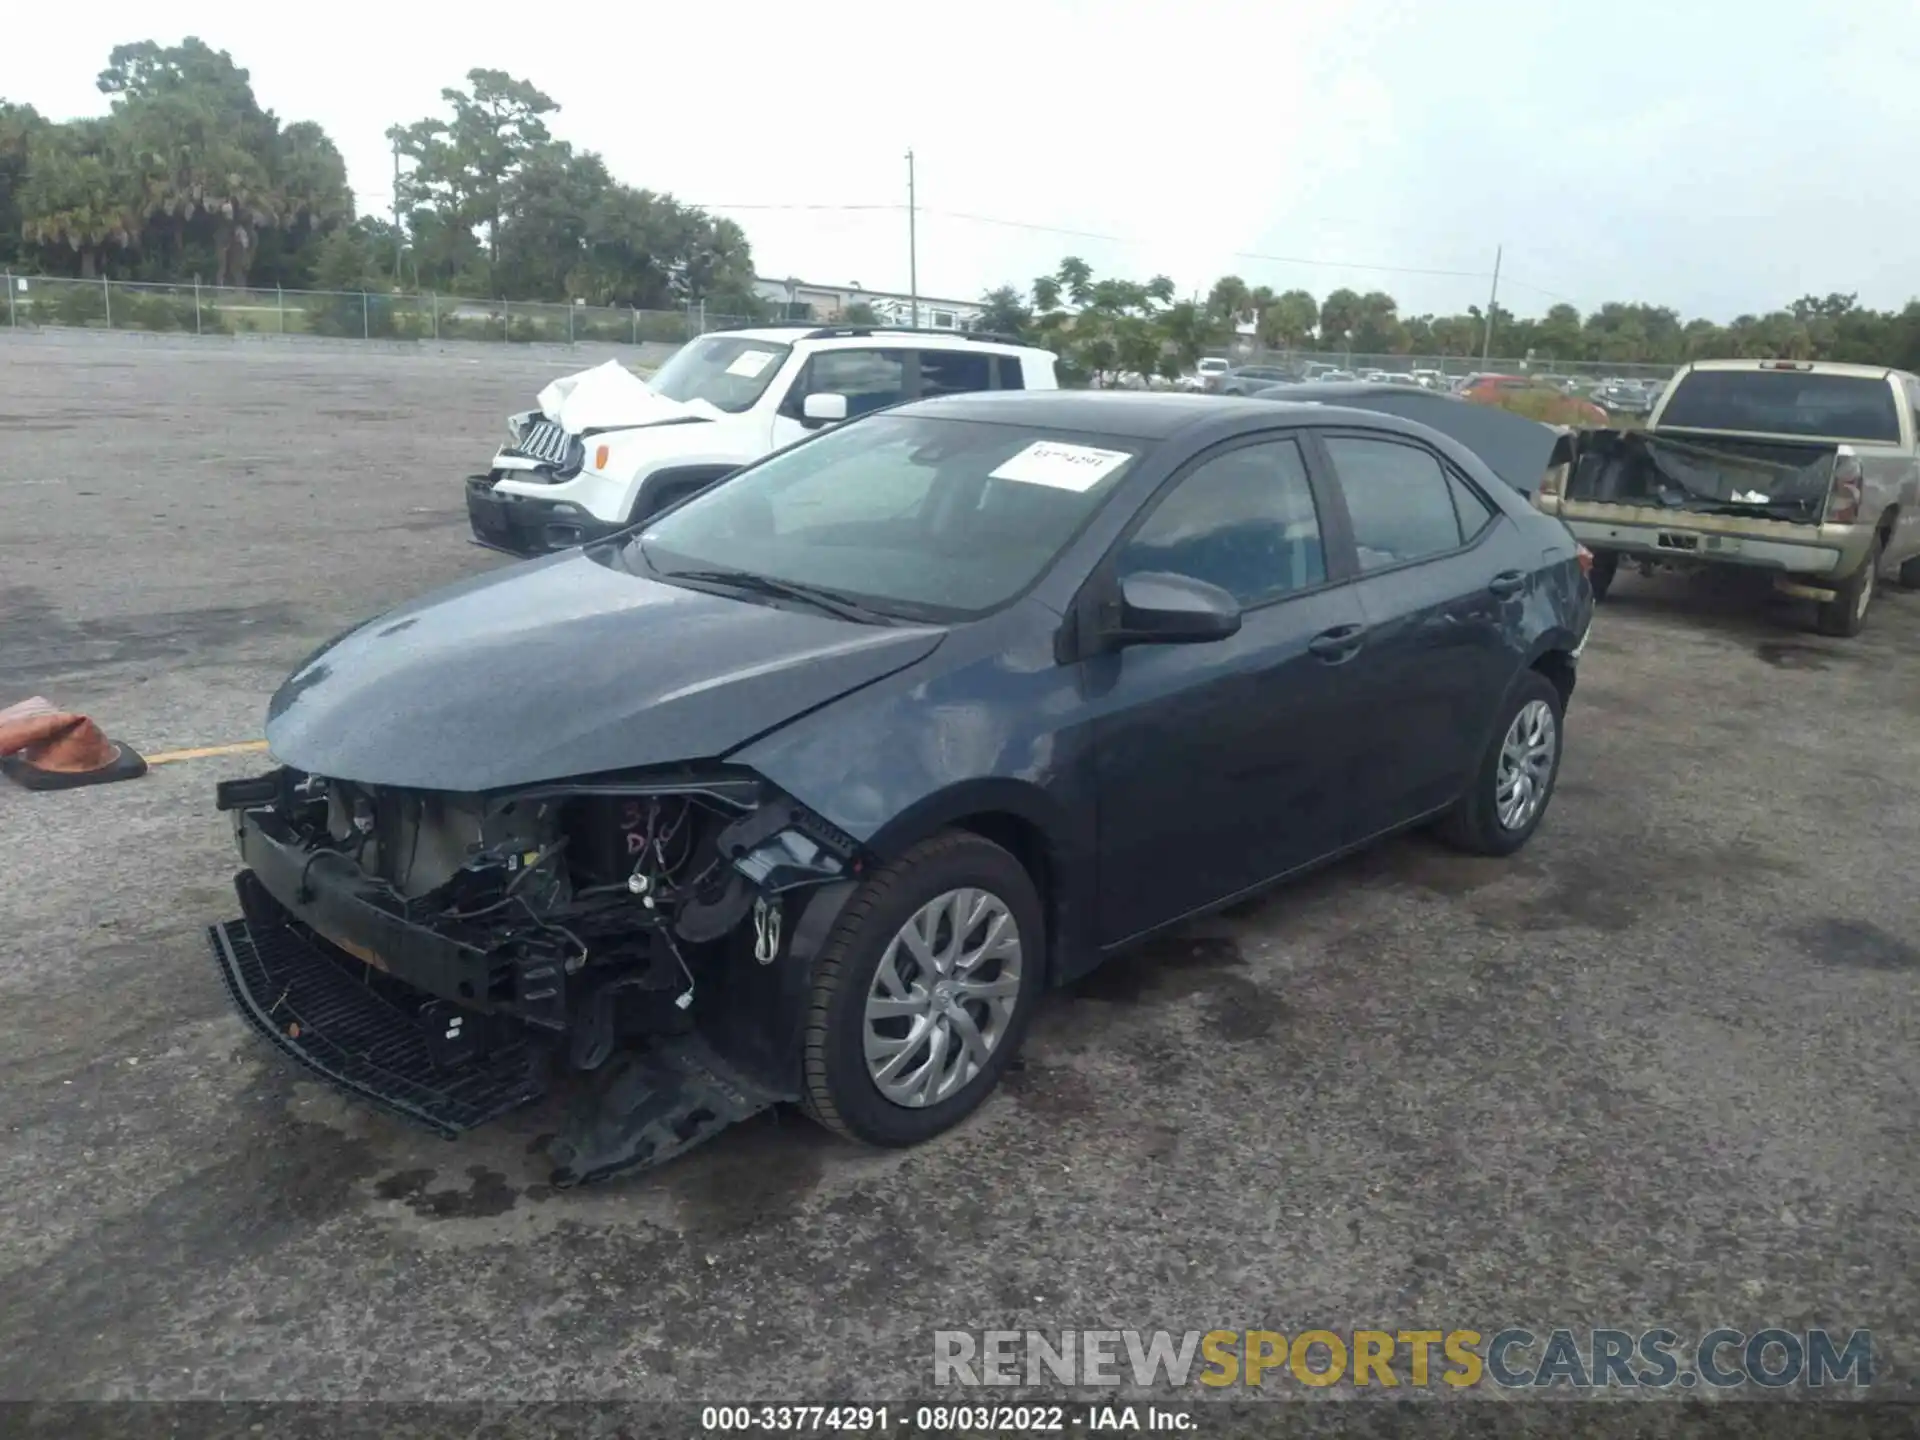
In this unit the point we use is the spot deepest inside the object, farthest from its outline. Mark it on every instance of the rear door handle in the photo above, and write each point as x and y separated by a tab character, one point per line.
1508	583
1339	644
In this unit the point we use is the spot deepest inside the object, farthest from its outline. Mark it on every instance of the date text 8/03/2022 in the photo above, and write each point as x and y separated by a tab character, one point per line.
1510	1358
944	1419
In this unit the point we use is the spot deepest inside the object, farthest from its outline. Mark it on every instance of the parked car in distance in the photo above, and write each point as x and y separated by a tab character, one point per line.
605	449
1210	368
1626	397
1430	379
1806	469
1245	379
807	789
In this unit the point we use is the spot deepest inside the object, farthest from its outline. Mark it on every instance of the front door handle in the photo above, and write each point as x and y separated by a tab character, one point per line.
1508	583
1339	644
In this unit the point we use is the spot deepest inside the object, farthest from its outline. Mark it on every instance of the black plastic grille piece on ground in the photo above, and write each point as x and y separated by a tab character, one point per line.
651	1105
316	1010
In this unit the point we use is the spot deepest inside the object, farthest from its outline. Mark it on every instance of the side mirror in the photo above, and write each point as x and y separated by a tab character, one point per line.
821	409
1158	608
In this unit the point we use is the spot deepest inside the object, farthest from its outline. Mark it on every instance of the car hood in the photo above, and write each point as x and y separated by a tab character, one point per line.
610	396
566	666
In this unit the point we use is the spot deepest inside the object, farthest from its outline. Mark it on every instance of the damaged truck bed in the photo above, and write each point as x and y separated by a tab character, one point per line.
1807	471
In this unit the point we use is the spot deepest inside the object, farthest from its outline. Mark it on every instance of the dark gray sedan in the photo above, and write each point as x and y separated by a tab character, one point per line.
808	789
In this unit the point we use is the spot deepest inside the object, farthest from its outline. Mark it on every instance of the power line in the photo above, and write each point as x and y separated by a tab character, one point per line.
801	207
1542	290
1030	226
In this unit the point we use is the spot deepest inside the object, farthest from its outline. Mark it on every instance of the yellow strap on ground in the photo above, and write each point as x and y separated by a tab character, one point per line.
245	747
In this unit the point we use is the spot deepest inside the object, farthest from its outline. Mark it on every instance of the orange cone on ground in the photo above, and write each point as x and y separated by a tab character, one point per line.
47	749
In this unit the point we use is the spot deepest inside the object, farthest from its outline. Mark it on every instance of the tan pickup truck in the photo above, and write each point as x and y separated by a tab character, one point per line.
1803	468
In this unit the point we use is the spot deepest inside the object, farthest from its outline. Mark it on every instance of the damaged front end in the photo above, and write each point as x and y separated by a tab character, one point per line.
450	956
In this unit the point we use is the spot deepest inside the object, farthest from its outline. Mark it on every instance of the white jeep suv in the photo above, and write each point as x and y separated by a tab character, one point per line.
607	450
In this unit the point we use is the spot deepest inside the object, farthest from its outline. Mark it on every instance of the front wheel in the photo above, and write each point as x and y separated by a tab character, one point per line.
923	992
1514	780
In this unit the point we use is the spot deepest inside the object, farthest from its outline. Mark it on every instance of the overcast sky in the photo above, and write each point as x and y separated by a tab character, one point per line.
1719	156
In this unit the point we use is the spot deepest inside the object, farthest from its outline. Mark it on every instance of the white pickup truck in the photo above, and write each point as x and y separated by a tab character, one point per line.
1807	469
606	450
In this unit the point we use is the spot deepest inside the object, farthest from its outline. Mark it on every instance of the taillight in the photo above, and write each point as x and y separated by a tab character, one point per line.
1844	496
1585	557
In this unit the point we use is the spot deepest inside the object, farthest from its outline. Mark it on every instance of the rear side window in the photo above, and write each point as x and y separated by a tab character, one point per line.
1474	512
1785	402
1011	376
1399	498
952	372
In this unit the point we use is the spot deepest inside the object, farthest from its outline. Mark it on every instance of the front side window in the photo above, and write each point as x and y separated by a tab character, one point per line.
1399	499
870	379
924	518
728	372
1243	520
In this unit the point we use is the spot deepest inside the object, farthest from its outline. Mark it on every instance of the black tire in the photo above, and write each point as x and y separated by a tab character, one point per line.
1845	615
1910	574
838	1090
1474	823
1606	565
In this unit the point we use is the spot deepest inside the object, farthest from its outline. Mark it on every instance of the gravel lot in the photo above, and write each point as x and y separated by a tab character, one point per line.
1659	1069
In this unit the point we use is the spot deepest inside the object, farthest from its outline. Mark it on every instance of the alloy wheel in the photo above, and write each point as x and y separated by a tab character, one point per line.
942	997
1526	765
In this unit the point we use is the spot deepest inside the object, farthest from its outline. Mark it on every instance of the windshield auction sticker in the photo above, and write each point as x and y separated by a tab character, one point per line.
749	363
1063	467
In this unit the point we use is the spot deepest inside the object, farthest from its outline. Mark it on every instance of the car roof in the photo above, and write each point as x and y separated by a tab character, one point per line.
1812	367
1159	415
1135	414
884	337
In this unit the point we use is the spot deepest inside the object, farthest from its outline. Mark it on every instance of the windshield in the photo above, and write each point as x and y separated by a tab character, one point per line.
931	519
729	372
1785	402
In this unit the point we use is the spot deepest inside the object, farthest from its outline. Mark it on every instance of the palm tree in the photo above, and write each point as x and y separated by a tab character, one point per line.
77	196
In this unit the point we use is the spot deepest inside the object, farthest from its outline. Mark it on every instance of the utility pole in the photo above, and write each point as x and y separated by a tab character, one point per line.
1486	346
398	240
913	246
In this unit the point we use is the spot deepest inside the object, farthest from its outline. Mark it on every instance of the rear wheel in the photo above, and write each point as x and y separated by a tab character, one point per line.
923	992
1606	565
1910	573
1846	614
1514	780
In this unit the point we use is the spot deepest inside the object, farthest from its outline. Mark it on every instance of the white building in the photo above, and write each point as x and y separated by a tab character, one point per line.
829	303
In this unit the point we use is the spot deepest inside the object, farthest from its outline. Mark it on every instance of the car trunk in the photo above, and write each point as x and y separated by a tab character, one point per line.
1766	479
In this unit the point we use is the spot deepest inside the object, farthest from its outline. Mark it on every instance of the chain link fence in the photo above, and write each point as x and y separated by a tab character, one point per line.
38	302
35	301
